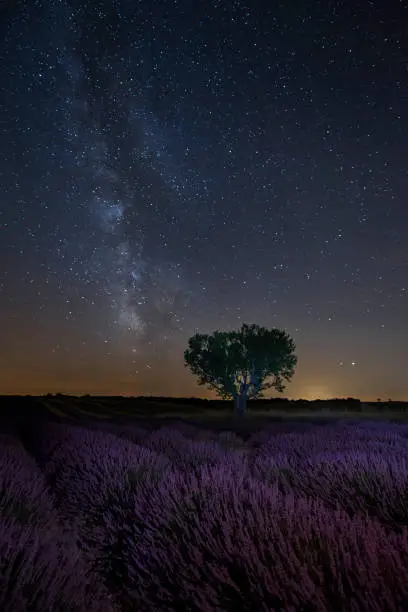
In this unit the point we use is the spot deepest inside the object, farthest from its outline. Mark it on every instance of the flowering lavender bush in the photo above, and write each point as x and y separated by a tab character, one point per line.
233	543
230	440
185	453
357	468
41	570
86	467
360	482
132	433
24	494
191	431
171	519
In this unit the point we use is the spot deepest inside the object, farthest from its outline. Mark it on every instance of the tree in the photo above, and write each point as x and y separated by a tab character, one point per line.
237	364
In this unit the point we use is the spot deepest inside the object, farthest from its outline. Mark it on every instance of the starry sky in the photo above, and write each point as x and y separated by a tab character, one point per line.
173	167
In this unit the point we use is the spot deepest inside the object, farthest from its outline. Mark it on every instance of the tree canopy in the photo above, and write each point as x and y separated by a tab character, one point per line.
239	364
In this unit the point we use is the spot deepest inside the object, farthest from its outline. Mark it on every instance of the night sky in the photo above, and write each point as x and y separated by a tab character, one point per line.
168	168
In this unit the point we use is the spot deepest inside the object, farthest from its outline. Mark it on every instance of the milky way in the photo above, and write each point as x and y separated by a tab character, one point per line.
130	177
168	167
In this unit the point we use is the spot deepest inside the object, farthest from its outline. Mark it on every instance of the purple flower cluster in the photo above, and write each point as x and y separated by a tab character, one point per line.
24	495
110	517
360	469
235	543
41	567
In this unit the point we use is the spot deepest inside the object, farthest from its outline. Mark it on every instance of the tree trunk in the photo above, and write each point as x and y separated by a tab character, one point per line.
240	405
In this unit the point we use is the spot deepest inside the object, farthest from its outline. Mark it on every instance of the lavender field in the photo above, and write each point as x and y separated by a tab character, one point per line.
104	517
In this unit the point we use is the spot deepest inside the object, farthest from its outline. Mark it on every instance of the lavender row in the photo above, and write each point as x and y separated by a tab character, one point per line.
169	521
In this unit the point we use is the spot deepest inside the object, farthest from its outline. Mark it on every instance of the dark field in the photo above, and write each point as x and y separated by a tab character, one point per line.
125	505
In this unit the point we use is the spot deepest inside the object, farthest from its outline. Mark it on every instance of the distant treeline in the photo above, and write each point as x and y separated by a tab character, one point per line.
277	400
201	400
283	403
